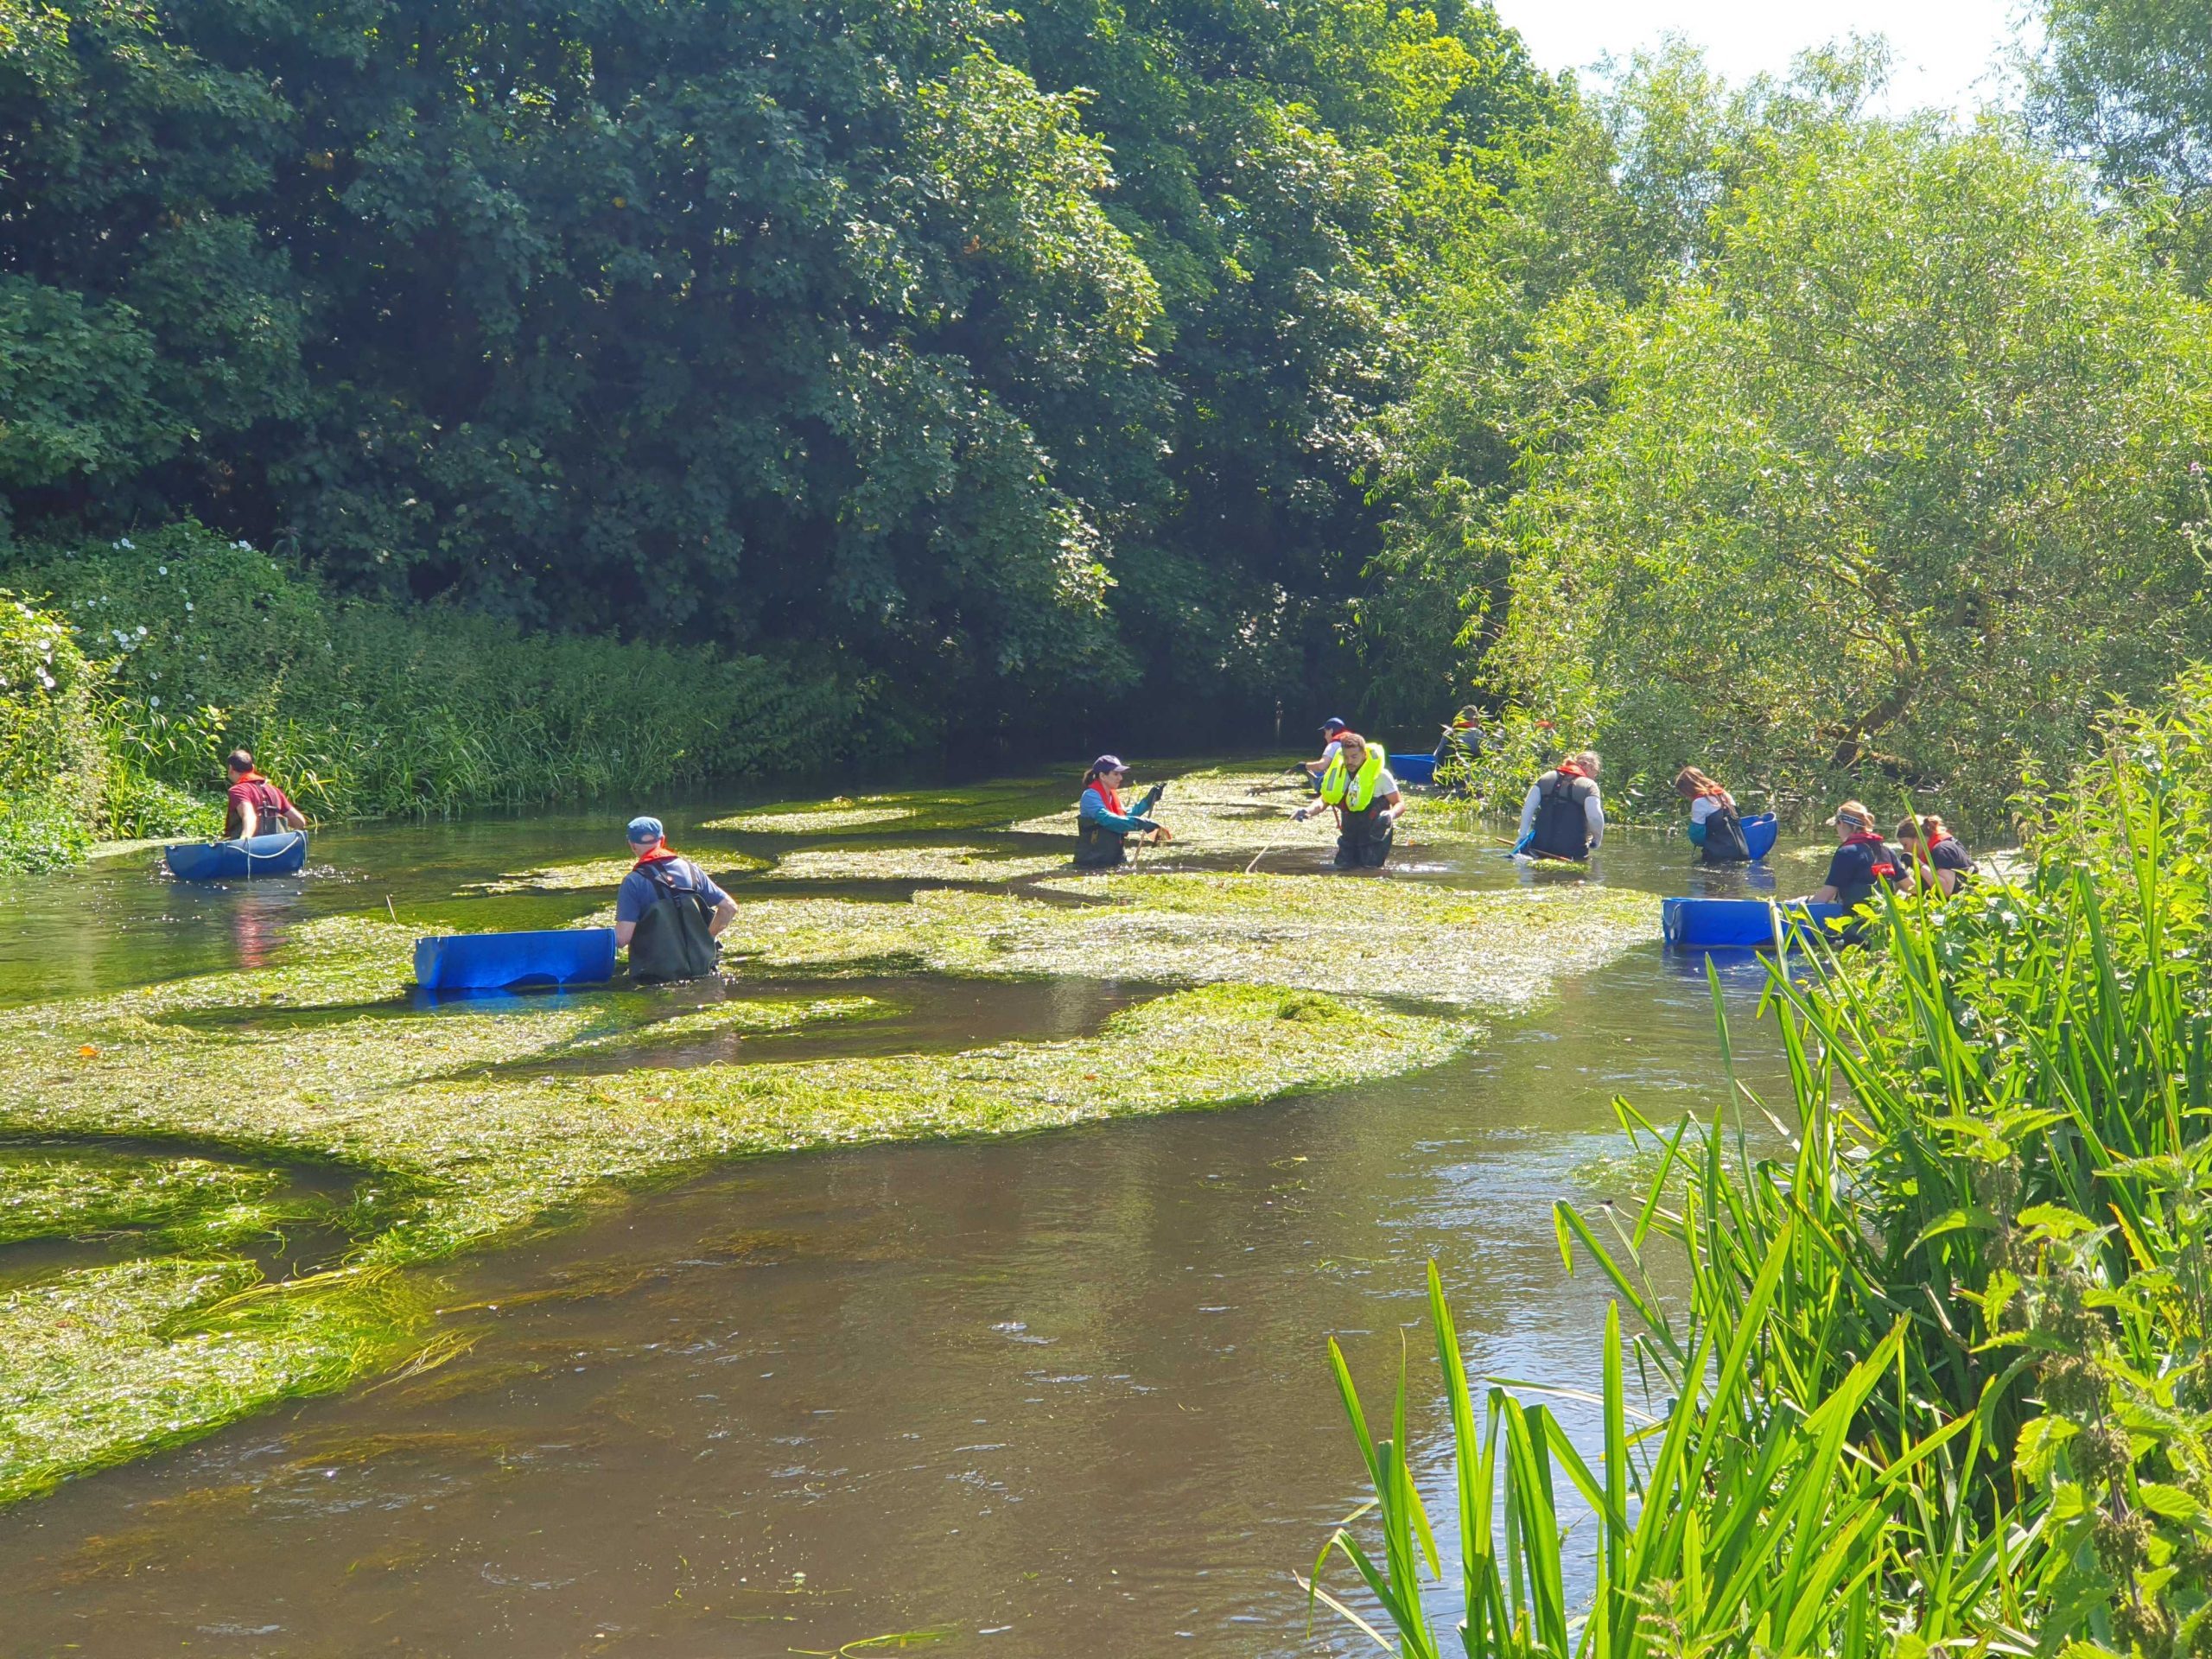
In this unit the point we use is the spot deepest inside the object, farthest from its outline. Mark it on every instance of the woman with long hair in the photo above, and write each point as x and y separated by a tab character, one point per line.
1937	855
1716	830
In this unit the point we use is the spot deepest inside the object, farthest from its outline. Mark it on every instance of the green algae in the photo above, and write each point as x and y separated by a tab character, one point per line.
597	872
1234	812
980	806
974	865
745	1018
45	1193
103	1363
453	1150
1501	950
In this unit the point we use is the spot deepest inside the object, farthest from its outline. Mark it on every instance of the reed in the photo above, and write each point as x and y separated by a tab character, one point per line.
1935	1376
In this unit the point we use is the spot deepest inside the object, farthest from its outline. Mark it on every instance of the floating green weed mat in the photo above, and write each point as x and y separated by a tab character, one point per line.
969	864
456	1147
1231	811
48	1193
603	872
979	807
1370	938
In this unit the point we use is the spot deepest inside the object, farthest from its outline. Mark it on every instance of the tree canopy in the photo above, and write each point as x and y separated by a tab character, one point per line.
1000	354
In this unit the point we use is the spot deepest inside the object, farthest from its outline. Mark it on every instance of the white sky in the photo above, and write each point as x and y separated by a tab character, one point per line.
1944	47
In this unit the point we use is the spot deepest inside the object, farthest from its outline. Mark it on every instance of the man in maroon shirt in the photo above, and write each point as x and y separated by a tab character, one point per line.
257	807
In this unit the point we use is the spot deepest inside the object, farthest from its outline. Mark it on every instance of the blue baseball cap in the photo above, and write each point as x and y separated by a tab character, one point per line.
642	830
1106	763
1332	726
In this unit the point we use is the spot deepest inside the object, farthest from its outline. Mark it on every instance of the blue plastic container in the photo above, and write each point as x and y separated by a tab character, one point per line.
282	854
1759	833
1414	768
504	961
1739	923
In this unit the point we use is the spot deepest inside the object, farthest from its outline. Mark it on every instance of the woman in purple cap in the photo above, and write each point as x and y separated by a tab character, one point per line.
1101	825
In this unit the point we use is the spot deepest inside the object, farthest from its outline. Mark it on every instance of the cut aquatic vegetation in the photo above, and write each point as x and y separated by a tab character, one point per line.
596	872
979	806
68	1192
1224	811
970	864
458	1135
1499	949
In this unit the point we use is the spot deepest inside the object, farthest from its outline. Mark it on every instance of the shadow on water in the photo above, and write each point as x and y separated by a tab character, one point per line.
1060	1394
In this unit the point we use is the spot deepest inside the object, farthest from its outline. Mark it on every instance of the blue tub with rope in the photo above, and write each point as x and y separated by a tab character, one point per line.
284	853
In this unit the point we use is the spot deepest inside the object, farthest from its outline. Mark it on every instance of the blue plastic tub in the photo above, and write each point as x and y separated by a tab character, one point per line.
282	854
1759	833
502	962
1737	924
1414	768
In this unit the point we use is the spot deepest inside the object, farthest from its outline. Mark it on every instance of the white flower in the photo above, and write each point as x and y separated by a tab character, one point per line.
142	627
126	542
160	569
188	606
153	702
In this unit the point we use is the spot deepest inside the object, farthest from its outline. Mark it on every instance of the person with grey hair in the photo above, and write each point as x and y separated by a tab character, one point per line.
1563	817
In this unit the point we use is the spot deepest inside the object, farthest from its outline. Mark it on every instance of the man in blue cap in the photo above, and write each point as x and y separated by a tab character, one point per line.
1332	729
669	914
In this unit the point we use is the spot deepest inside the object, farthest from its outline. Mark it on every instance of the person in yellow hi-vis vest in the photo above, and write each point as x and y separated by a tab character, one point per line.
1358	788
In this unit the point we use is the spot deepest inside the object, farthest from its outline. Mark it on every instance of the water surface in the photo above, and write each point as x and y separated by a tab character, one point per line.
1059	1394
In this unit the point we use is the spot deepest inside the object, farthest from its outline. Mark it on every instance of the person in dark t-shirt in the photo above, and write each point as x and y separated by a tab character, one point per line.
1934	855
1862	862
255	806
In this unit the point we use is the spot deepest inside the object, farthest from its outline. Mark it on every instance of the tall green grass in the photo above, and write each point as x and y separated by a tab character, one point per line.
187	645
1934	1380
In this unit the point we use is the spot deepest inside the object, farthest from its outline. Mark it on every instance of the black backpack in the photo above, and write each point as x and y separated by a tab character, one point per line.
672	941
1723	838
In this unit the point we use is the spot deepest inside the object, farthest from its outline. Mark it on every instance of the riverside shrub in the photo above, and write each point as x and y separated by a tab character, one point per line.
169	648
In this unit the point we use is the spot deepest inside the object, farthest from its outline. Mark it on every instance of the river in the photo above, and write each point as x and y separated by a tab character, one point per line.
1065	1394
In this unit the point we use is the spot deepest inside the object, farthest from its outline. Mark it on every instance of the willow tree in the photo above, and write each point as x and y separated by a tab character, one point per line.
1895	494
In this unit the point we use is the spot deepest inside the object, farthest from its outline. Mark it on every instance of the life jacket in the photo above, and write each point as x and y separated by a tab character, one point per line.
1098	847
1724	835
1355	794
1562	827
672	941
1881	871
269	804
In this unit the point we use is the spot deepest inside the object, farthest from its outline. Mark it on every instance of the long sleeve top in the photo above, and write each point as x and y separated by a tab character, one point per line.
1092	808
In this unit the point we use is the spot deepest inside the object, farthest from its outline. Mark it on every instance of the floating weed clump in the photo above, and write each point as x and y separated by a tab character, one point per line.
47	1192
970	864
740	1017
1226	811
1499	950
981	806
603	872
105	1362
448	1142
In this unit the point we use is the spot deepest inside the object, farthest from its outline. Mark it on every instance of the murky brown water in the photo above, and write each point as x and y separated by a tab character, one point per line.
1058	1395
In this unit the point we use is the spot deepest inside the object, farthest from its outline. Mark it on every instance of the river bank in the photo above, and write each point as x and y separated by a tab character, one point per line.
439	1129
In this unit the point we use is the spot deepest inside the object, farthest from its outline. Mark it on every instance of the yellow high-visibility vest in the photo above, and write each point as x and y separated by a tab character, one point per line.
1360	793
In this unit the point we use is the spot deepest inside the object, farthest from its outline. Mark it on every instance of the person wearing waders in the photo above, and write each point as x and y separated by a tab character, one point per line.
1715	830
669	914
1563	818
1102	830
1358	787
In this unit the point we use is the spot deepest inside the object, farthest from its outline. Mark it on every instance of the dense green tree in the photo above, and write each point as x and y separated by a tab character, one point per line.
1004	355
1895	494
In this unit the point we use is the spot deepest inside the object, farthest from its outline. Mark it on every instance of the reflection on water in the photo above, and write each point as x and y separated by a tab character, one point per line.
1060	1394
